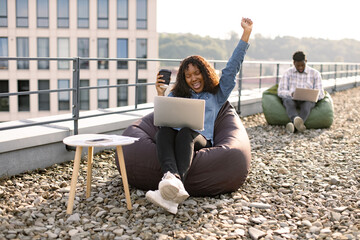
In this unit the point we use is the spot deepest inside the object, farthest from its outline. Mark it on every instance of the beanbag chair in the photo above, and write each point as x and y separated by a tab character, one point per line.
219	169
321	116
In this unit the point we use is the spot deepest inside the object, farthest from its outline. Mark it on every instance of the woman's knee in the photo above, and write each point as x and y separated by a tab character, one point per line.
185	133
166	132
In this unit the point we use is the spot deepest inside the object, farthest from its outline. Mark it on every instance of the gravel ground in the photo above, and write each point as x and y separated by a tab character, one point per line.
301	186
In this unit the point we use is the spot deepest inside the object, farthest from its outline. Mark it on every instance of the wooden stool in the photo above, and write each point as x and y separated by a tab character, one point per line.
91	141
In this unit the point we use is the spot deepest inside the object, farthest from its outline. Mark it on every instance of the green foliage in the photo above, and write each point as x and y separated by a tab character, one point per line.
179	46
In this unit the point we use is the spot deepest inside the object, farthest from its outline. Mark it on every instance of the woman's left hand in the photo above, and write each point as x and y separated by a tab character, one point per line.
246	24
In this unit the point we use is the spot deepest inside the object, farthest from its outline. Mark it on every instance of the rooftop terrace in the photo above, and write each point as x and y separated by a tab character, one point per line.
37	143
301	186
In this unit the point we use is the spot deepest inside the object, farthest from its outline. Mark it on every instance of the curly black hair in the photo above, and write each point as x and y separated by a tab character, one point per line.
211	79
299	56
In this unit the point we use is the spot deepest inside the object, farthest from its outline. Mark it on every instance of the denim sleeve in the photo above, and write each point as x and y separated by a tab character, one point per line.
228	80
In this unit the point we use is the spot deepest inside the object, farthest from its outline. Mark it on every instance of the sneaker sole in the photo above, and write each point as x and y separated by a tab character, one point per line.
168	192
181	196
290	128
150	198
299	124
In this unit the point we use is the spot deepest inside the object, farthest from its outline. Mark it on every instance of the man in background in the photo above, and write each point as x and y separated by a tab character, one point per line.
299	76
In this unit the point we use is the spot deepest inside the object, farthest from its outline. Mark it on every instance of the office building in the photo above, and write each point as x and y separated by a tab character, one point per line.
70	29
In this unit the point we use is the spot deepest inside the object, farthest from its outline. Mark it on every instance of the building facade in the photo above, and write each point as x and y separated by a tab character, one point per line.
68	29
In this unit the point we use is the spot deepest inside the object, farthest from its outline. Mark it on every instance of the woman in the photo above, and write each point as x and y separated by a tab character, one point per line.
197	79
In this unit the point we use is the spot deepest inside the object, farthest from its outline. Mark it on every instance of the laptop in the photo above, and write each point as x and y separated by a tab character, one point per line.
179	112
306	94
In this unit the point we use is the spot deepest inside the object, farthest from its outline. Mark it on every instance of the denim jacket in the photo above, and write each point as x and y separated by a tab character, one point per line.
213	102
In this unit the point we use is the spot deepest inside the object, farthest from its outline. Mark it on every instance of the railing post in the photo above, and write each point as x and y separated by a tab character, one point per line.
239	90
260	77
356	74
76	94
321	71
136	83
335	76
277	73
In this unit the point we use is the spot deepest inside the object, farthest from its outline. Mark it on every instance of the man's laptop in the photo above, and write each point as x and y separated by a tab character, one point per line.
306	94
179	112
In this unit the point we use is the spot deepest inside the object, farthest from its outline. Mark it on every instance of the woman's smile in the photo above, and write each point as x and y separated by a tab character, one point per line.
194	78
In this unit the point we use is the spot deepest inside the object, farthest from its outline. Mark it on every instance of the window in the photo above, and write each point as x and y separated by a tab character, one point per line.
103	52
122	52
141	51
84	95
43	51
63	51
64	97
4	101
3	13
83	13
103	13
22	19
3	52
22	50
122	14
44	98
141	14
23	100
63	13
122	93
103	94
141	92
42	10
83	51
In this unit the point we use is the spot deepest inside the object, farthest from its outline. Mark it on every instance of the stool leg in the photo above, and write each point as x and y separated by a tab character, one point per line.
74	180
124	176
89	171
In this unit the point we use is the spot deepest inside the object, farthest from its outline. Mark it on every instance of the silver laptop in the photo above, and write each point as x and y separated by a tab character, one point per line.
179	112
305	94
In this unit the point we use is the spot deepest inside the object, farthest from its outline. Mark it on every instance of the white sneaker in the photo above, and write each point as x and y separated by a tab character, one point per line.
155	198
299	124
290	127
172	188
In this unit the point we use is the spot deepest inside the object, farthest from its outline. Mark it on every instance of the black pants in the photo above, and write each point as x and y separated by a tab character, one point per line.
175	149
292	105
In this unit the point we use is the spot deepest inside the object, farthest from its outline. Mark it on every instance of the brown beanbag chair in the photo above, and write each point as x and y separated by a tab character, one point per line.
219	169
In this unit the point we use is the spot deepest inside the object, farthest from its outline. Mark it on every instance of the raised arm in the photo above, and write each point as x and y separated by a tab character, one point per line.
247	25
228	80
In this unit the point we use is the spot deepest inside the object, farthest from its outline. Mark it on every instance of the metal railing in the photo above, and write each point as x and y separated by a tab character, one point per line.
267	73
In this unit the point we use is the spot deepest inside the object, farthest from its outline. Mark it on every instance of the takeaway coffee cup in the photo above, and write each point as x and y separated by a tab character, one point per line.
166	76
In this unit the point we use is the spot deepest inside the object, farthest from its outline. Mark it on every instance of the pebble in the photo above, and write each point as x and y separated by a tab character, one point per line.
260	205
256	233
300	186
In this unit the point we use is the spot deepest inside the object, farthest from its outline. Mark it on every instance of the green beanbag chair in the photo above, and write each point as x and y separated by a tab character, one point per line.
321	116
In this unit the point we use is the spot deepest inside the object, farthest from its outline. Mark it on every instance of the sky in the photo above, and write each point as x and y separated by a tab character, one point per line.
327	19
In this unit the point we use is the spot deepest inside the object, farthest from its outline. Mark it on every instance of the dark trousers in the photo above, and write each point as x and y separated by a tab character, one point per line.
175	149
292	105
